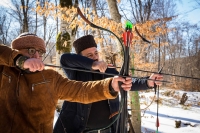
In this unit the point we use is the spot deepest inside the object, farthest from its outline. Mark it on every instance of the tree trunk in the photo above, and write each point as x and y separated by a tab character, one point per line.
135	113
72	32
25	19
99	33
56	18
114	12
44	20
64	29
36	20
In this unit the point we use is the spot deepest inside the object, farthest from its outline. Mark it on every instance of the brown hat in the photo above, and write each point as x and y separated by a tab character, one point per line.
84	43
28	40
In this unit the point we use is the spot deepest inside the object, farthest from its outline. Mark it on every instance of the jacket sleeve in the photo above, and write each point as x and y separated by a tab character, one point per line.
137	83
83	92
76	61
8	56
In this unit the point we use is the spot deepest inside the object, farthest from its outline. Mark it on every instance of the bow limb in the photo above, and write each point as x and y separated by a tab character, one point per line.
141	35
98	27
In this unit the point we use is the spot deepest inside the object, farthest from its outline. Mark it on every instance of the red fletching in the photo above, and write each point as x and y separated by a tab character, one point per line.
127	38
157	122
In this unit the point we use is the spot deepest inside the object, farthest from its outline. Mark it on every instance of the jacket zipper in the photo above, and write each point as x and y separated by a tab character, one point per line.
33	85
9	77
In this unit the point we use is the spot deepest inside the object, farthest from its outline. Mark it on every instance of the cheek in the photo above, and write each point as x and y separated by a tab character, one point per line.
97	56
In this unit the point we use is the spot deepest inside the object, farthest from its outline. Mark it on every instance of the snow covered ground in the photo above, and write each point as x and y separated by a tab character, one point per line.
170	111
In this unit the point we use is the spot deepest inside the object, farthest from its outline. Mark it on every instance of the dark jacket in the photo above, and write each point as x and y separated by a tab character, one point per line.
28	100
74	116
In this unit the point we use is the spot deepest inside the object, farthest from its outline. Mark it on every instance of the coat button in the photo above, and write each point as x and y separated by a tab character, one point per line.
82	118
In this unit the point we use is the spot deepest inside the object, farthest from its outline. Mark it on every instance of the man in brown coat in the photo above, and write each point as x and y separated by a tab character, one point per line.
28	93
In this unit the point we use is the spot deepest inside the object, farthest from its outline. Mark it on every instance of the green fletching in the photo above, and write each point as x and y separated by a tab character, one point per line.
129	24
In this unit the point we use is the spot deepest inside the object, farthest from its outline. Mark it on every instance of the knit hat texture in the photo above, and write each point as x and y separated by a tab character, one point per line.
28	40
83	43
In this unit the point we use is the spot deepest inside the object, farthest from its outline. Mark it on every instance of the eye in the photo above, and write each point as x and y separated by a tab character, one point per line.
40	51
31	50
90	56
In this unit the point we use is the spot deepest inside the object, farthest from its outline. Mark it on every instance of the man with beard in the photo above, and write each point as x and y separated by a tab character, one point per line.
77	117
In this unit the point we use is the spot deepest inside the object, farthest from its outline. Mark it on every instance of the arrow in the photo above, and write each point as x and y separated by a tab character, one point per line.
76	69
175	75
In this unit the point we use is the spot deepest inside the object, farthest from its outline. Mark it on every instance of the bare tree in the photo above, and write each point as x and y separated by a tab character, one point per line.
22	14
25	8
42	4
141	10
36	18
5	22
56	3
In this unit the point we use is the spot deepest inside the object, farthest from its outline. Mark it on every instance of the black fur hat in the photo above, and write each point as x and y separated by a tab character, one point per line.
83	43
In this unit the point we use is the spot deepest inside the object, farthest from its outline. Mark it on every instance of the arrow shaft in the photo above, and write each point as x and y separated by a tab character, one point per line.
175	75
76	69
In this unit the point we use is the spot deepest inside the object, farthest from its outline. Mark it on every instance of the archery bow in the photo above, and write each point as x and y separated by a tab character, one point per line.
127	38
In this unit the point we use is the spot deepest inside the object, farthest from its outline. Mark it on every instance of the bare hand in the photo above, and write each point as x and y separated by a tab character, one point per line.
34	64
99	65
155	77
126	83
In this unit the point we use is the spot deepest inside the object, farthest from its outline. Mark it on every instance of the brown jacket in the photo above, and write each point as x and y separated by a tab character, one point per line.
28	100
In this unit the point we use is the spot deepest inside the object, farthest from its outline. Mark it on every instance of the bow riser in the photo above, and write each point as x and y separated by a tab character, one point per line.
127	38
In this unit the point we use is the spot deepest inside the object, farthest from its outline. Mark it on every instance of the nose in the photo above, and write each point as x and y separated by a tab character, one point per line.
36	55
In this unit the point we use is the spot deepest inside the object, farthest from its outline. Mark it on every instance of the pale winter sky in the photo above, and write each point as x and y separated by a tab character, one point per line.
184	8
5	3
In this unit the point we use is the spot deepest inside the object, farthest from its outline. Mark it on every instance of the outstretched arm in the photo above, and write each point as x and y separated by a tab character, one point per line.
151	83
144	83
